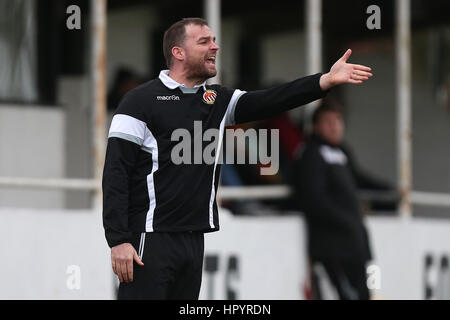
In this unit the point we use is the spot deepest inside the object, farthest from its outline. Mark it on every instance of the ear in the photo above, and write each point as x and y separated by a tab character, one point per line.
178	53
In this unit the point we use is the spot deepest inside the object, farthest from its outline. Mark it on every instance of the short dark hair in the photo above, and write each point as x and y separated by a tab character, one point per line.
176	34
322	109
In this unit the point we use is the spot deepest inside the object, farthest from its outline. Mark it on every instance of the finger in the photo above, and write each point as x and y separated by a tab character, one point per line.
119	272
137	259
356	77
130	270
124	271
355	81
361	67
114	266
362	73
346	55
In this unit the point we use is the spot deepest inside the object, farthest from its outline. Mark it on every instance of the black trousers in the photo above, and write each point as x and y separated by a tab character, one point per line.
348	277
173	263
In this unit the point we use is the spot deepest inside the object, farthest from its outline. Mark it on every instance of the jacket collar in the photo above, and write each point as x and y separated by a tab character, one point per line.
172	84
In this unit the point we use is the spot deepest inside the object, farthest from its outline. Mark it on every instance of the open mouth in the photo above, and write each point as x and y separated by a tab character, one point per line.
211	60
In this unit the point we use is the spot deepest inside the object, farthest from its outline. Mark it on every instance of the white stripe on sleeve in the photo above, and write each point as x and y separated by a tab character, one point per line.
128	128
229	116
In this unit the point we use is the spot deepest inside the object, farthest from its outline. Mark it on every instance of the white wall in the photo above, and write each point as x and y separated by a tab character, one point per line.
400	249
273	265
269	251
32	145
37	247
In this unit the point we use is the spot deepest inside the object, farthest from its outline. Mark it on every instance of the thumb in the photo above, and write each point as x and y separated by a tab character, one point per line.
136	258
346	55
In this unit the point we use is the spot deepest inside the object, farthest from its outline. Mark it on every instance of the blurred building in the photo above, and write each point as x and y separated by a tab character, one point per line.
45	111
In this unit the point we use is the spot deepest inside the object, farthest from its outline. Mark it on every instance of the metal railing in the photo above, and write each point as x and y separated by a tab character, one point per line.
224	192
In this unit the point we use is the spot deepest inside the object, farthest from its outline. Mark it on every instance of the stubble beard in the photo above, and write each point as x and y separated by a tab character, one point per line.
198	71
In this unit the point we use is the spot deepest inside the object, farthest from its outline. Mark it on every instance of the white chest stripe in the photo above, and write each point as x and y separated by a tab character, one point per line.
213	187
151	145
333	155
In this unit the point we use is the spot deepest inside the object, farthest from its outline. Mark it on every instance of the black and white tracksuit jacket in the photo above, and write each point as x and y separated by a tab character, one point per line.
143	190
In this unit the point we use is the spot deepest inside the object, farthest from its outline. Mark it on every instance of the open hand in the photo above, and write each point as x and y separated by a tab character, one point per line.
343	72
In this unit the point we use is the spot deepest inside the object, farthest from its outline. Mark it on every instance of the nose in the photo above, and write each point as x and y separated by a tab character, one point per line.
214	46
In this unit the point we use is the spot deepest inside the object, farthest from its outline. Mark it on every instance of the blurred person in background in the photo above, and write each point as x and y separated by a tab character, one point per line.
326	187
125	79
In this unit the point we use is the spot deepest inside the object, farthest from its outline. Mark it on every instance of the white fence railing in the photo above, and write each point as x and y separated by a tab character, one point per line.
50	183
224	193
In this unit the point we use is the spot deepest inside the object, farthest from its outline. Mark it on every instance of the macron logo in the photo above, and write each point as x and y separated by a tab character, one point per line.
172	97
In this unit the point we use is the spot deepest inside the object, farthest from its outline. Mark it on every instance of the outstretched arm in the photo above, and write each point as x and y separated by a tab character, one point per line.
263	104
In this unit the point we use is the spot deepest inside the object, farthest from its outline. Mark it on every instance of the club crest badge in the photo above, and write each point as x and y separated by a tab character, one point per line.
209	97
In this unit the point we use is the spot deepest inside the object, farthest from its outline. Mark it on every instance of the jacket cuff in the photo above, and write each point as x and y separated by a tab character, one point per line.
116	238
320	92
